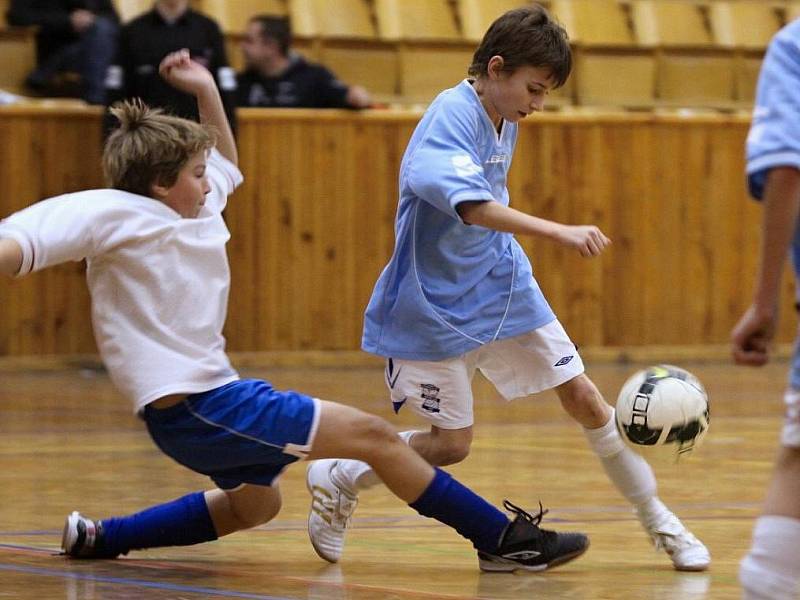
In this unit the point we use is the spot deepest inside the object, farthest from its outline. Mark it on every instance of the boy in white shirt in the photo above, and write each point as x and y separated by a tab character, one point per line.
159	278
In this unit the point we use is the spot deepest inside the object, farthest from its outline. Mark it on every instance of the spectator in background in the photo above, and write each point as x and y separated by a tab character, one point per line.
74	36
277	77
144	42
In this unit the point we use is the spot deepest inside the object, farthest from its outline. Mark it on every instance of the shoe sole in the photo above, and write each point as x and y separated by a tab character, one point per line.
310	514
510	567
693	568
68	526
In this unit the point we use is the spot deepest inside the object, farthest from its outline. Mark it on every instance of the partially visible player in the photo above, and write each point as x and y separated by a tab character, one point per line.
159	278
771	570
459	294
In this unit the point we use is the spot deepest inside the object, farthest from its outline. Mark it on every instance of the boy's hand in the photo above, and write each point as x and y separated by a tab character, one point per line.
182	73
752	336
586	239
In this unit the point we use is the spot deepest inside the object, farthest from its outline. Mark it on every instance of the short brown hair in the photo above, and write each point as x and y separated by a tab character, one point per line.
525	36
275	28
150	147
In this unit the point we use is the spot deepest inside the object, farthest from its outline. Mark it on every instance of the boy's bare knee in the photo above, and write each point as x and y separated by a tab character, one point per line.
254	510
581	399
448	447
375	432
450	452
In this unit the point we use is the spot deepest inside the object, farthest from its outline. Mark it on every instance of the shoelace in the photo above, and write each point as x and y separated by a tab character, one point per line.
533	520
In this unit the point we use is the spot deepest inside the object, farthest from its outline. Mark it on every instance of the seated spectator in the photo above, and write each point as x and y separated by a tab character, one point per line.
144	42
277	77
74	36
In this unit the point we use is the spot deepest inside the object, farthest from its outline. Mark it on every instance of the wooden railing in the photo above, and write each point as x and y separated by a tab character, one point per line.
312	225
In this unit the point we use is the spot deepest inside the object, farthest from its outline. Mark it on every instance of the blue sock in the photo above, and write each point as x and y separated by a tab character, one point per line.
182	522
446	500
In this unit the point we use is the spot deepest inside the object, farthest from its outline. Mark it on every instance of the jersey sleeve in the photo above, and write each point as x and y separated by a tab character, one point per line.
445	168
774	137
223	177
55	231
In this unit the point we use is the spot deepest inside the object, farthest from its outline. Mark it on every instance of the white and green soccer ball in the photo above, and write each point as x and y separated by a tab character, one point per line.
663	405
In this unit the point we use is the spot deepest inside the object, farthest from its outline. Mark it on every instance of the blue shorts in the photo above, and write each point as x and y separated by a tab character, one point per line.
242	432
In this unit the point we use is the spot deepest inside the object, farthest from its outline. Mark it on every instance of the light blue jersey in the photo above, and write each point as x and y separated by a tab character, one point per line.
451	287
774	139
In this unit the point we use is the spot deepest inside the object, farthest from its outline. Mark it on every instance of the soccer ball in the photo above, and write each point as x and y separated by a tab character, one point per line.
663	405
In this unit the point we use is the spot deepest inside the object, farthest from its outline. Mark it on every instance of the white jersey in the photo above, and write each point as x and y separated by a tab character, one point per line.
159	283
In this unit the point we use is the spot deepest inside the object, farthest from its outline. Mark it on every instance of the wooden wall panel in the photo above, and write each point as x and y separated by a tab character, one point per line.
46	152
313	225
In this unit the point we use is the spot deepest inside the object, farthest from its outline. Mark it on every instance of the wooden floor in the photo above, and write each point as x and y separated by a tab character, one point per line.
68	442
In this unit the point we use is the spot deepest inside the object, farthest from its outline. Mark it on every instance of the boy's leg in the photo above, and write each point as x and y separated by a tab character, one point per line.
439	447
631	474
244	431
243	508
547	359
191	519
771	569
346	432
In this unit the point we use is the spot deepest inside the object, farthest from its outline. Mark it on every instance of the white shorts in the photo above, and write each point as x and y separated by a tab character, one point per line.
441	391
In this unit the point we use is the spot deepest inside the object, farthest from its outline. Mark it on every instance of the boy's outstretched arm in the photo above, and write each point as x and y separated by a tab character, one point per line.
182	73
586	239
10	257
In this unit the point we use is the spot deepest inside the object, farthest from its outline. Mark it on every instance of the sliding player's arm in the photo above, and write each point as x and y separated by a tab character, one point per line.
181	72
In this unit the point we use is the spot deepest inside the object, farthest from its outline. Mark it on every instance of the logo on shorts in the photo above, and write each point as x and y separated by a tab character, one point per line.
564	361
430	397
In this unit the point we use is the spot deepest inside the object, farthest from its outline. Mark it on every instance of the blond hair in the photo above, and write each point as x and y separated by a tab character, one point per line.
150	147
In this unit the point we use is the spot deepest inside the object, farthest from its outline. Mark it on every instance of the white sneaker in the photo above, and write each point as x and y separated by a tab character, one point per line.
669	534
331	509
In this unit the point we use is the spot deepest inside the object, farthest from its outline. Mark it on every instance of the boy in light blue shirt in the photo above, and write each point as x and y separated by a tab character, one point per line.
771	570
459	295
451	287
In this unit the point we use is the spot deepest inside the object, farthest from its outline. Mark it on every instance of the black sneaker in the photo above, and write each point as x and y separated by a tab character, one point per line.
83	538
523	546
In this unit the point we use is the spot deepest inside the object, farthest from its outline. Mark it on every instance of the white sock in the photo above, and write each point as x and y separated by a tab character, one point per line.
355	475
771	570
628	471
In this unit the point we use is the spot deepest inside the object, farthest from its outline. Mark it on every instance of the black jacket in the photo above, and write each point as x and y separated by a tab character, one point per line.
302	85
146	40
52	18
